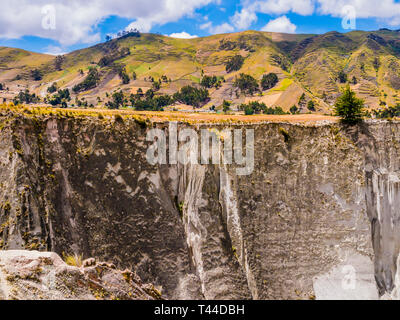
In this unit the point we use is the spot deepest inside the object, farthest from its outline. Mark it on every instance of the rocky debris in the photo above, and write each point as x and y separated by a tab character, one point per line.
33	275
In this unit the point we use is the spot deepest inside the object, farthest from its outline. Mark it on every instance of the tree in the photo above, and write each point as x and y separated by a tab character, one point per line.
302	100
226	106
269	81
58	62
342	76
90	81
125	78
311	105
376	64
348	107
61	98
36	75
246	83
156	85
234	64
52	88
117	100
248	110
134	76
26	97
192	96
294	109
253	107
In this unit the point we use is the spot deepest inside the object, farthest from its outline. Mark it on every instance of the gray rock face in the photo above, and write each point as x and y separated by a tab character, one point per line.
33	275
321	197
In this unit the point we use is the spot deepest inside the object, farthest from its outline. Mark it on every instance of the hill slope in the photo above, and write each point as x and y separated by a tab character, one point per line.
305	64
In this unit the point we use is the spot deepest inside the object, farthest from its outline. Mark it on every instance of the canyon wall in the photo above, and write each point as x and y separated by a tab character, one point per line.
320	205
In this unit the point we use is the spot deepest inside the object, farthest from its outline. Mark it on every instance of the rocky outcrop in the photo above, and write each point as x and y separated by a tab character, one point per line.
33	275
319	206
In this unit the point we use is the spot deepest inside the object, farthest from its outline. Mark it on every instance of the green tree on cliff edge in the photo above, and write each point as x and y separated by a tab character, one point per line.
349	108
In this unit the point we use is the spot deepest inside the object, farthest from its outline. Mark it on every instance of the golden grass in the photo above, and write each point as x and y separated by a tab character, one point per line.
73	260
159	117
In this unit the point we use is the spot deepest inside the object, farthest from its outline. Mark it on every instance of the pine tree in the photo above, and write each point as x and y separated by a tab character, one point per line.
348	107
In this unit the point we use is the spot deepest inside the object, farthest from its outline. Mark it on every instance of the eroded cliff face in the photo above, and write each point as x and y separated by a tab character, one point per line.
322	199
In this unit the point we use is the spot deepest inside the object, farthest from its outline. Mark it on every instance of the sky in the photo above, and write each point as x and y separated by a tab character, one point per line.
60	26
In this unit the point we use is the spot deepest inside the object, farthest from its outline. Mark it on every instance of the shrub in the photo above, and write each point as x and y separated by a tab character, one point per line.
246	84
275	111
348	107
234	64
26	97
253	107
294	109
117	100
60	98
52	88
311	105
269	81
73	260
390	112
90	81
342	77
36	75
192	96
225	106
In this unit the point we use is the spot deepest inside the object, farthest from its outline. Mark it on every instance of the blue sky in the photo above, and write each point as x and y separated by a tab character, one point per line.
88	22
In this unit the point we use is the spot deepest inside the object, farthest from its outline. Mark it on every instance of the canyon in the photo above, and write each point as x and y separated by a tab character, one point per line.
321	204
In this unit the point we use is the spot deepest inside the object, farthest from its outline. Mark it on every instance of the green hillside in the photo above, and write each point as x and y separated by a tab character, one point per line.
306	65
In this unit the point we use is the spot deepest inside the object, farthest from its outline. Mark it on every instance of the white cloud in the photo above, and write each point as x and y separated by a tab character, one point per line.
55	51
182	35
77	20
206	26
386	9
244	19
302	7
222	28
281	24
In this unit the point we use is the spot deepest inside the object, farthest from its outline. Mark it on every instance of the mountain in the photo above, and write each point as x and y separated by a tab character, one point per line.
305	64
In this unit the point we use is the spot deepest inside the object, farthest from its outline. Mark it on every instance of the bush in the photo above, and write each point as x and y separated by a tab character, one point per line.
275	111
211	82
117	101
348	107
248	110
73	260
226	106
52	88
342	77
26	97
90	81
246	84
36	75
294	109
311	105
390	112
60	98
269	81
234	64
192	96
253	107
